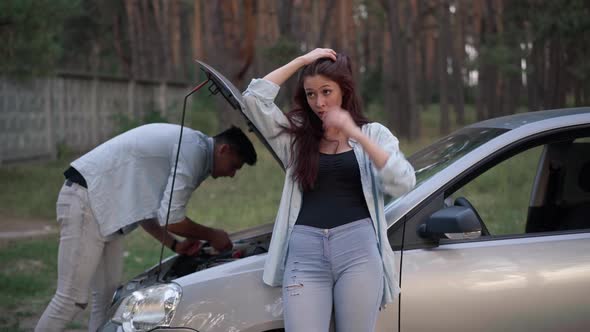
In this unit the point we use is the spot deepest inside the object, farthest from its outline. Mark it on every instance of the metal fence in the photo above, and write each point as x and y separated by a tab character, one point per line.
40	115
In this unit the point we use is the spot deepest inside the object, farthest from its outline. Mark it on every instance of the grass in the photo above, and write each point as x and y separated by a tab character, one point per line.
249	199
28	267
30	190
508	185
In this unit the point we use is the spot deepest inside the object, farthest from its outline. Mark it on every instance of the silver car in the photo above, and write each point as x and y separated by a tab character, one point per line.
494	237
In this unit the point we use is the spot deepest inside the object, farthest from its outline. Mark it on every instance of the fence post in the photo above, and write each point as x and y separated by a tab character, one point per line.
51	147
61	109
3	107
94	111
162	98
131	99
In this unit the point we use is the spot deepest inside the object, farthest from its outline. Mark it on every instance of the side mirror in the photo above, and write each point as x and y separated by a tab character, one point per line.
455	222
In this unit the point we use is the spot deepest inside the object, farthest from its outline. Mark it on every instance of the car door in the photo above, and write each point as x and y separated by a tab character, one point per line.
511	278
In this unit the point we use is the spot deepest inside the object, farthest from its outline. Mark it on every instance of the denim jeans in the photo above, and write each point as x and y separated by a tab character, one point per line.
86	260
337	268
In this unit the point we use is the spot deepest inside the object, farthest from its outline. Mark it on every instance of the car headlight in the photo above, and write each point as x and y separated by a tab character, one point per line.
148	308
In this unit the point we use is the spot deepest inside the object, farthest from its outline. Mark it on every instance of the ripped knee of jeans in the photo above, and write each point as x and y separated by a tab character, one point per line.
293	289
81	305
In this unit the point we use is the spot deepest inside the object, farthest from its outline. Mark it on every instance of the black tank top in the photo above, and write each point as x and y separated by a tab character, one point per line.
337	196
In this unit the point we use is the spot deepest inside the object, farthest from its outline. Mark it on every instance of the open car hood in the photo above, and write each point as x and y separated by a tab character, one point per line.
232	95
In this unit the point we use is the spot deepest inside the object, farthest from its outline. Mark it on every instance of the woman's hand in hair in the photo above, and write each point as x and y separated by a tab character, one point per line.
281	74
341	120
318	53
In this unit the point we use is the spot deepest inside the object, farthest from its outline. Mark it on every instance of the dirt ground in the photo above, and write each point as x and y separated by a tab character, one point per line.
12	228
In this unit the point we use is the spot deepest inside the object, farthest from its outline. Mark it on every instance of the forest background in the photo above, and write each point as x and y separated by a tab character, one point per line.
495	55
423	68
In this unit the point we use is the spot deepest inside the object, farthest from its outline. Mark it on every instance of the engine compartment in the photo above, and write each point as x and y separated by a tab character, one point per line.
247	244
208	257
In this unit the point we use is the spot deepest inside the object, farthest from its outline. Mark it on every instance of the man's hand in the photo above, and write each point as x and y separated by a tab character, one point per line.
187	228
220	240
188	247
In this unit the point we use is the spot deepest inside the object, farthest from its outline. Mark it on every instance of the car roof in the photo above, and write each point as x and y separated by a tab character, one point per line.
520	119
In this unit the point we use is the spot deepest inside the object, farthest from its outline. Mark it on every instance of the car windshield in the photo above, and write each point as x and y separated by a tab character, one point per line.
445	151
437	156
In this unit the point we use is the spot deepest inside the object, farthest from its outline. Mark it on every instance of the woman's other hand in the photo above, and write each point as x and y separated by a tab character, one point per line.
341	120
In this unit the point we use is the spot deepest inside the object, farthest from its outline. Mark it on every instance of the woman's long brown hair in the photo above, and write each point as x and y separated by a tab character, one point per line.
304	124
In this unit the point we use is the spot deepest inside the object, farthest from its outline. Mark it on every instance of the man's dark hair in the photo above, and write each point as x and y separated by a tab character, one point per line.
239	142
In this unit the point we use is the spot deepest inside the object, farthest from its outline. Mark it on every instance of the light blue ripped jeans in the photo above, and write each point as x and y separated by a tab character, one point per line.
340	266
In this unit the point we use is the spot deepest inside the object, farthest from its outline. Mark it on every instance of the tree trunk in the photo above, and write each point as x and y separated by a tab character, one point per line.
387	81
267	34
131	34
328	13
175	38
556	80
118	42
145	70
488	79
426	52
161	26
392	89
479	32
457	57
533	77
199	51
412	110
444	41
285	17
248	44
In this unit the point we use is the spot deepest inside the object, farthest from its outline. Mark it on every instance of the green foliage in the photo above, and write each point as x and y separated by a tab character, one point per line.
371	88
31	34
203	113
501	195
23	263
31	190
251	198
125	123
546	21
64	151
283	51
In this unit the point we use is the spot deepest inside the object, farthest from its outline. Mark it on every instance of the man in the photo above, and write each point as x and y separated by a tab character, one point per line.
124	183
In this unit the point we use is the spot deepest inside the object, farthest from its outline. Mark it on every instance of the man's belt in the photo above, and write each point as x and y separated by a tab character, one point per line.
74	176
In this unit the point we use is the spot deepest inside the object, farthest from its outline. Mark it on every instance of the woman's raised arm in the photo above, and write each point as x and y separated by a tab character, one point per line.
281	74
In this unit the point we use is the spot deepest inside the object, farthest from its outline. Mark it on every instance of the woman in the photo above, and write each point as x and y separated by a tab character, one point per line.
329	243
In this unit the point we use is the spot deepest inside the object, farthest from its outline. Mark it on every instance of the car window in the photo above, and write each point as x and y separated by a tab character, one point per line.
501	195
545	188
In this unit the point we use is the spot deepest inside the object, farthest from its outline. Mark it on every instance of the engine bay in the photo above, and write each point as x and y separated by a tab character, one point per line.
208	257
